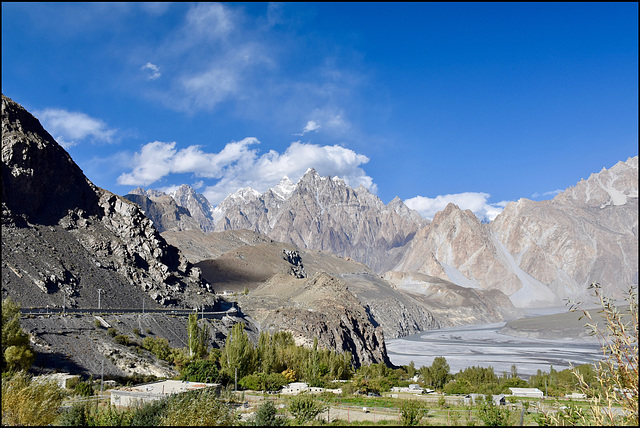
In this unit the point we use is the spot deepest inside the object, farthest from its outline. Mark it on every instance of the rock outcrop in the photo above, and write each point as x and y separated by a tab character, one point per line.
64	238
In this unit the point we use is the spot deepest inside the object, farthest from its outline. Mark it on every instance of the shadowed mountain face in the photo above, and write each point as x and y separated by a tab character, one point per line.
40	181
64	238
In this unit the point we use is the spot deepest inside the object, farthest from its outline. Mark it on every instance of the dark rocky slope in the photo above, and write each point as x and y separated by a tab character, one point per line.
63	237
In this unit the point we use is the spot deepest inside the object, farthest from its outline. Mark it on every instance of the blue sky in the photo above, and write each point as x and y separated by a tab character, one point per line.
478	104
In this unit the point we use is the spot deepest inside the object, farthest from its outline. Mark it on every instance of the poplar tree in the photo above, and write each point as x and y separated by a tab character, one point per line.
238	352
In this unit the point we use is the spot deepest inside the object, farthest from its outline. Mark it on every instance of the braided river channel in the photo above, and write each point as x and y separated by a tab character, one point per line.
484	346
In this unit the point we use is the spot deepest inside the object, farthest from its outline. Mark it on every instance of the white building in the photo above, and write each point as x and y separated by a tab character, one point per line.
414	388
128	396
295	388
64	380
527	392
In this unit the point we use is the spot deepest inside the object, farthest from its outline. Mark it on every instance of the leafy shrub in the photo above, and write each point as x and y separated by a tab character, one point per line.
491	414
158	346
201	371
112	332
412	412
83	389
149	414
121	339
267	416
263	382
617	374
305	408
74	416
201	407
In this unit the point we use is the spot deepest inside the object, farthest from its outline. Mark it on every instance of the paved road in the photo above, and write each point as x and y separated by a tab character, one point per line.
90	311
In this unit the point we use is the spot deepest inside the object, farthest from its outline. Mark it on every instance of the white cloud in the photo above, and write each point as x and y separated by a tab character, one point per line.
311	125
549	193
238	165
209	20
154	71
71	128
474	201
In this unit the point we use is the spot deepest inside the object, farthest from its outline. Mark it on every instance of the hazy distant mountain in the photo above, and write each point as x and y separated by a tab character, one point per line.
540	253
163	210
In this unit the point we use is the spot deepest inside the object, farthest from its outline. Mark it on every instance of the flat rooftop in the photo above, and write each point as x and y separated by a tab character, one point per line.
167	387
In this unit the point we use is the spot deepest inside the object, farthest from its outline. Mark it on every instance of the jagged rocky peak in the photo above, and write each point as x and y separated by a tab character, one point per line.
197	204
284	188
614	186
32	185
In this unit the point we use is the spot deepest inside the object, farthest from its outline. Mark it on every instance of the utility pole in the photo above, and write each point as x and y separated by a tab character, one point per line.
101	378
99	291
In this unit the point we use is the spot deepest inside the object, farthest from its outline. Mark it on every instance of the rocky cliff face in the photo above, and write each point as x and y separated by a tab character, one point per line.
64	238
589	233
540	253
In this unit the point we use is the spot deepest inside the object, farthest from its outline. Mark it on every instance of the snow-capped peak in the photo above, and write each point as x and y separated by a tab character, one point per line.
284	188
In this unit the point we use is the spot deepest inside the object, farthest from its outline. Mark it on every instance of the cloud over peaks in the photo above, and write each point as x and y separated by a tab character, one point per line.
474	201
239	165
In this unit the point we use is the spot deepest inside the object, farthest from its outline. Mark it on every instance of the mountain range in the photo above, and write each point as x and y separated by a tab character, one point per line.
539	253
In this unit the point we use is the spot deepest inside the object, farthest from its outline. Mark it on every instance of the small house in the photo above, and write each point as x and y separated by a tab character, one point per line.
128	396
295	388
64	380
527	392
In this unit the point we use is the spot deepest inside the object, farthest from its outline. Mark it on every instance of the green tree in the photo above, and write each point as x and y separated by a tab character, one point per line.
198	408
16	351
439	372
412	412
266	352
410	369
305	408
28	401
492	415
199	338
238	352
267	416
